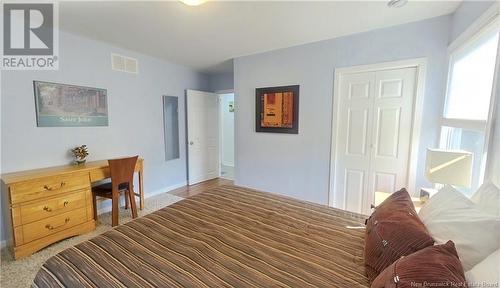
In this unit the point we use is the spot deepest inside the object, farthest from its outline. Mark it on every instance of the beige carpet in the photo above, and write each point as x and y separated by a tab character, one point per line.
20	273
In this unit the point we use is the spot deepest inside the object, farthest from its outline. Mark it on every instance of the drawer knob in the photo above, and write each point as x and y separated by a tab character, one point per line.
50	227
47	208
48	188
65	203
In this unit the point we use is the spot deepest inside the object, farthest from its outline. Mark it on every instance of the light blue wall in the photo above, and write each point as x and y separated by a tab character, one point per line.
221	82
465	15
298	165
135	112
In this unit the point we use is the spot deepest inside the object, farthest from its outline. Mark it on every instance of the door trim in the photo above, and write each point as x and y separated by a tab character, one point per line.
421	65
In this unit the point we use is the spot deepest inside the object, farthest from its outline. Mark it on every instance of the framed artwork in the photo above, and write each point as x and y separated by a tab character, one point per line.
61	105
277	109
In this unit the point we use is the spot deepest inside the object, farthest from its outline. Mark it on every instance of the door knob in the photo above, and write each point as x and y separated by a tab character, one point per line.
191	143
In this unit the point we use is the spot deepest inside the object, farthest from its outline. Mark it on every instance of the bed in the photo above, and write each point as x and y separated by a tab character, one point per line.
225	237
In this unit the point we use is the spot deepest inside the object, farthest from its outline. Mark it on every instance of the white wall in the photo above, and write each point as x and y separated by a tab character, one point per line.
135	112
227	129
298	165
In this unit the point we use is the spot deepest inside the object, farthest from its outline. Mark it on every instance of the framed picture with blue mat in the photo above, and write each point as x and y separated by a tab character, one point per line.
62	105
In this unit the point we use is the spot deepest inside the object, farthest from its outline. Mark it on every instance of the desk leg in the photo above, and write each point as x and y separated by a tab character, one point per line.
141	188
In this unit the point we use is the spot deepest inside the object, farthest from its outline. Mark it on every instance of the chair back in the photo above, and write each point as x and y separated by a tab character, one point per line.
122	171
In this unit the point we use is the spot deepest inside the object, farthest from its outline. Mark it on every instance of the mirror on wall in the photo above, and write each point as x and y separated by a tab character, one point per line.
171	127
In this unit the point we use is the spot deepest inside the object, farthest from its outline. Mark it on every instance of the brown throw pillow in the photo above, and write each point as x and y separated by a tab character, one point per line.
435	266
392	231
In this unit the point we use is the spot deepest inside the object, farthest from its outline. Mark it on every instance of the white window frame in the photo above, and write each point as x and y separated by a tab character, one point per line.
485	24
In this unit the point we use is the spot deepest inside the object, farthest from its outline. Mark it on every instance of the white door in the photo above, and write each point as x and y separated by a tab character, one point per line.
203	136
353	139
374	135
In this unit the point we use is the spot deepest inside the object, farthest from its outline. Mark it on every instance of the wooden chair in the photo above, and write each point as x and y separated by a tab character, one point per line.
122	181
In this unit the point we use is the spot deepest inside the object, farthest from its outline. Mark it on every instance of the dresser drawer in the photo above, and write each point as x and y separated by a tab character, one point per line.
48	186
54	206
42	228
99	174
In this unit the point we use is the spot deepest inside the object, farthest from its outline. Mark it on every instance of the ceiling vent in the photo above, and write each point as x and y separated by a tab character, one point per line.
123	63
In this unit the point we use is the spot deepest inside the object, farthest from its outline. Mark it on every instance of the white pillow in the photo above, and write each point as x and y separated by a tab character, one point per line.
487	272
449	215
488	198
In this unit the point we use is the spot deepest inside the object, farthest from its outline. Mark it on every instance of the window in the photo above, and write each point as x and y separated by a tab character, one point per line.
469	93
471	80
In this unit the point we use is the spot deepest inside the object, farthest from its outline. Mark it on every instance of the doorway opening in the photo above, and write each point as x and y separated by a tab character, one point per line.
226	134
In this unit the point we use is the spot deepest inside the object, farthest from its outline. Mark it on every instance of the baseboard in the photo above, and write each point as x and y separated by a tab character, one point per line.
107	208
3	244
167	189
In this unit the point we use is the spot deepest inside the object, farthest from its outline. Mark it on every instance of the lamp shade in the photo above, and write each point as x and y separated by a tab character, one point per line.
449	167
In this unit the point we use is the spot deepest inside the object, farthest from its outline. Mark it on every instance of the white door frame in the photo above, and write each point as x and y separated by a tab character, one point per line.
421	65
219	99
226	91
493	115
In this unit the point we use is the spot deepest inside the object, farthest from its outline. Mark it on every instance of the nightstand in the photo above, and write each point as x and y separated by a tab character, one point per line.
426	193
381	196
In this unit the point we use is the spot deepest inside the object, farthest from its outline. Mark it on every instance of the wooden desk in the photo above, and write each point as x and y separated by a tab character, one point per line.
50	204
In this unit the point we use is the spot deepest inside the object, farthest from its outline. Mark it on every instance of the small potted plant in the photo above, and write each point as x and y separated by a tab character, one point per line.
80	154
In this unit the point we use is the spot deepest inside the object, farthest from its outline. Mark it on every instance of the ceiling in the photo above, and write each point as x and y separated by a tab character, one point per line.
208	36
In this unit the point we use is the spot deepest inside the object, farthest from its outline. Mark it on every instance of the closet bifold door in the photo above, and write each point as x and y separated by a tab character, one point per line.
392	127
354	139
374	135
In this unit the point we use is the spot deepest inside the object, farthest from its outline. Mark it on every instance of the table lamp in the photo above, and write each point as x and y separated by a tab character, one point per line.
452	167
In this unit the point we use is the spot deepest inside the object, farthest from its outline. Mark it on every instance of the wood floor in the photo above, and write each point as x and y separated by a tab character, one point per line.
188	191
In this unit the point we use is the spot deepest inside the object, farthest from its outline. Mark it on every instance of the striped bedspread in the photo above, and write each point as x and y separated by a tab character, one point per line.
225	237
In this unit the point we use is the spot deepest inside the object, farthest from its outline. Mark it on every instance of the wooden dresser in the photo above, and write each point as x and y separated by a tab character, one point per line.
51	204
